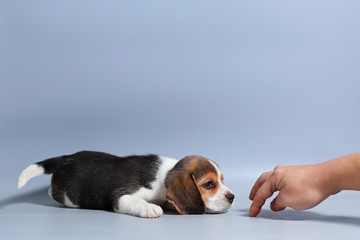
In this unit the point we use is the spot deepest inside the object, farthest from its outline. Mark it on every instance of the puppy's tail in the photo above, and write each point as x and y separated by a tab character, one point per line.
44	167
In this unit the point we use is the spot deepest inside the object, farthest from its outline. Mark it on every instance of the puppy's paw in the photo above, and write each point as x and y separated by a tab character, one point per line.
151	211
135	206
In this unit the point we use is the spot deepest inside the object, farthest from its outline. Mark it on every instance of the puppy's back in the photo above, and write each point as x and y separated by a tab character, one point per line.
93	179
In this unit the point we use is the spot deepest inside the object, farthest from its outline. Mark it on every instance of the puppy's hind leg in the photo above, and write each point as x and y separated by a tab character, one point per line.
131	205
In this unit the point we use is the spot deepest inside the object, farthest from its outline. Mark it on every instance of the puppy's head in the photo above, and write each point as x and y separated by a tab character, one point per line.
195	185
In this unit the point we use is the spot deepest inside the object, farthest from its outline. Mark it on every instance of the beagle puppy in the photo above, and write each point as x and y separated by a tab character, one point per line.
136	185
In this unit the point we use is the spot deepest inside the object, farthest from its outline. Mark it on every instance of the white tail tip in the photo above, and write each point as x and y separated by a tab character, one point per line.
30	172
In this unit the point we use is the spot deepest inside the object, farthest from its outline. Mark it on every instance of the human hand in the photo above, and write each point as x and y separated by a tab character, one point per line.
300	187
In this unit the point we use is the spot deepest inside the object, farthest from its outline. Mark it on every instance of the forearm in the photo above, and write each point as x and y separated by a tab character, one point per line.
342	173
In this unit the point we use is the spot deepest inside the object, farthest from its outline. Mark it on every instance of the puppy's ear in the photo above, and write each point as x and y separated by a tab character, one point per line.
183	193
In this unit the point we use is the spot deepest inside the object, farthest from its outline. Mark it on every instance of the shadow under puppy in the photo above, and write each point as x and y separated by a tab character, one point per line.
134	185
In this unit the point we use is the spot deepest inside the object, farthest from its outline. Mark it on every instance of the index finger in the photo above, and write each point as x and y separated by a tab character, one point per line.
265	191
264	177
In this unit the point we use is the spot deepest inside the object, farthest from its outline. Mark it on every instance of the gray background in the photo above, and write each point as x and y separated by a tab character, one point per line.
249	84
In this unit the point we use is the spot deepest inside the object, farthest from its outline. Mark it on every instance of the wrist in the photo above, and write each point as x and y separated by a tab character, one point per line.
331	177
341	173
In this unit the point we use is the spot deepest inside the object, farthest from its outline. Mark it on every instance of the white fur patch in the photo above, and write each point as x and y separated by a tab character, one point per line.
68	202
50	192
30	172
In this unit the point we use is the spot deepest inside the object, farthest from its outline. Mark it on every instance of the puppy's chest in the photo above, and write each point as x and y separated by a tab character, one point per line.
157	193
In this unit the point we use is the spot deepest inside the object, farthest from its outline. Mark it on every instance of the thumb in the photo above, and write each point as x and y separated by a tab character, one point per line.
278	203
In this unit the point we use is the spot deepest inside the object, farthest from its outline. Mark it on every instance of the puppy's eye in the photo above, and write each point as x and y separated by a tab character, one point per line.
209	185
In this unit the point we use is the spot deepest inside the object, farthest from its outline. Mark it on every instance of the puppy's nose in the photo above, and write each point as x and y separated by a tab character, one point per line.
230	197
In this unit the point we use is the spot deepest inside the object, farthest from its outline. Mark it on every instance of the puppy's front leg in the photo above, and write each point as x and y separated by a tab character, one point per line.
128	204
